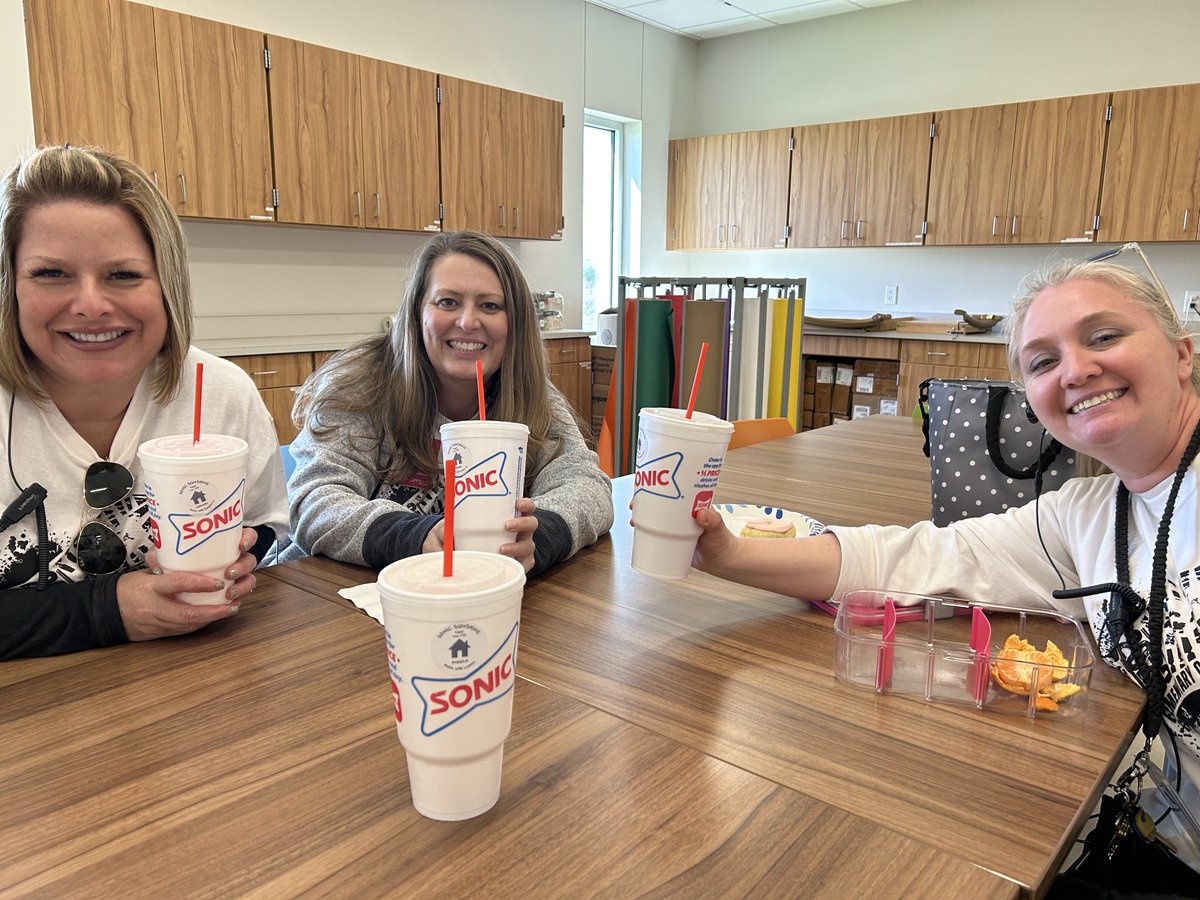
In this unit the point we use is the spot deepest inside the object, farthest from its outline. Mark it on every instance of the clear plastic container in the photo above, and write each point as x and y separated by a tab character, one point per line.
930	654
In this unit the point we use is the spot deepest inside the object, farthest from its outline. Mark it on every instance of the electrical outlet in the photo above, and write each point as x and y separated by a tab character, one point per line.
1191	307
891	295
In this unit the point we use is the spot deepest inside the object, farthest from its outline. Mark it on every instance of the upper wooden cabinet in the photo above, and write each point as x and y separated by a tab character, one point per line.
183	97
1018	173
340	139
729	191
96	81
216	129
1152	175
860	184
355	139
501	160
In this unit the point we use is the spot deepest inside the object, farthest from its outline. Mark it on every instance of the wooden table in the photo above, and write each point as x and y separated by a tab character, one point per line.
669	738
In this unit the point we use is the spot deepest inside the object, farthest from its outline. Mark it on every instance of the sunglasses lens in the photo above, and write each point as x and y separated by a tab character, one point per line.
99	549
106	483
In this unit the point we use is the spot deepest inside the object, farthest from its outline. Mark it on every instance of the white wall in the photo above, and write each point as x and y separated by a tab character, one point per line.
920	56
262	286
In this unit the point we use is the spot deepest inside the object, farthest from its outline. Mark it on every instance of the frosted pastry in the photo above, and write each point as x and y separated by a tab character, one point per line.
769	528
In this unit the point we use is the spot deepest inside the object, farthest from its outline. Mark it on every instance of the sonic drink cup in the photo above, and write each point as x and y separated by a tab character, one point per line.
489	459
194	491
452	657
678	463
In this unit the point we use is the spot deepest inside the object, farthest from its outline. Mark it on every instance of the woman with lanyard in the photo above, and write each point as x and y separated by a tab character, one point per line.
1110	372
95	357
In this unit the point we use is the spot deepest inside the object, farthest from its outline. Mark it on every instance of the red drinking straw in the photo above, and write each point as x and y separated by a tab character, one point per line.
479	388
696	380
196	406
448	527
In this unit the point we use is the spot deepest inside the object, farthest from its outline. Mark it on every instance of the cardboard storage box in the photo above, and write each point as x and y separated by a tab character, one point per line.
843	380
879	377
823	394
602	363
864	405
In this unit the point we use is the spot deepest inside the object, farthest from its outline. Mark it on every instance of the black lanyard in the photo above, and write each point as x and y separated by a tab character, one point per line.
1143	656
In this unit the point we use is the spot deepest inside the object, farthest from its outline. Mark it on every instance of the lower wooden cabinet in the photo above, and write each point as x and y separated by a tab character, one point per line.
278	377
946	359
570	361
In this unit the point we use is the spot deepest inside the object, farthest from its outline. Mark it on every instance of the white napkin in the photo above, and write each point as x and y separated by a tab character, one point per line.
366	598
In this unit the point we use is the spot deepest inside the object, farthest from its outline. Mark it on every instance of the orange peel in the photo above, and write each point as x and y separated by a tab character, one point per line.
1021	668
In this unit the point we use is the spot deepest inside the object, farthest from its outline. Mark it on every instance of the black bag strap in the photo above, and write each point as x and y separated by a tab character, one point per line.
995	410
923	403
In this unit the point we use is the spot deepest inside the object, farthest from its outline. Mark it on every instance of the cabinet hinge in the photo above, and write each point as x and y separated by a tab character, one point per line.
266	58
439	94
925	227
932	129
564	118
275	197
1108	113
562	223
1096	223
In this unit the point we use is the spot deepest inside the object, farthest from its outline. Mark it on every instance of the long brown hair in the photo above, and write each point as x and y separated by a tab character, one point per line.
387	381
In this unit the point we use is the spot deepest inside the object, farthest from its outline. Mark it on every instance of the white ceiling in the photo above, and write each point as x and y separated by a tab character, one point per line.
699	19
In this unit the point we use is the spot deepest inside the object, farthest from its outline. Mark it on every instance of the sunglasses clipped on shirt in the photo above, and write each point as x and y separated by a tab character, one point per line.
98	548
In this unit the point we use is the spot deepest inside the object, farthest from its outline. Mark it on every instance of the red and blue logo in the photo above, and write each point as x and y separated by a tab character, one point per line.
484	479
192	531
445	701
659	476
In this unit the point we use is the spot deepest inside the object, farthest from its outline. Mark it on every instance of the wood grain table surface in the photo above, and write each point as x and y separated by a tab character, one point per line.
669	739
259	758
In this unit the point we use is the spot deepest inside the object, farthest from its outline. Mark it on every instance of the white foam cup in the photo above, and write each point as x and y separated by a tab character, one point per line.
194	491
678	463
489	480
452	658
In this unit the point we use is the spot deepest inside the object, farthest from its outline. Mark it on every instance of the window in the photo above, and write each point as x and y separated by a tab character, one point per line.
601	214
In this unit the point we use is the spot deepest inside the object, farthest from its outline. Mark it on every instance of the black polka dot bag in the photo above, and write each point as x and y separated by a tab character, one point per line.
986	452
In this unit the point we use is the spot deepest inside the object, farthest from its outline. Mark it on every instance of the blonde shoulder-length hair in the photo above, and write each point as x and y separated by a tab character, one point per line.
89	175
387	383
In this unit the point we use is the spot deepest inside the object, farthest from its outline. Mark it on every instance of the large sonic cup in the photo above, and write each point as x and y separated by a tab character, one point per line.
489	460
194	490
678	463
452	657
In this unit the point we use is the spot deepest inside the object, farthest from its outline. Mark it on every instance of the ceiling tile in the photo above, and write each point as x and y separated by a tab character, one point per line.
809	11
733	26
684	13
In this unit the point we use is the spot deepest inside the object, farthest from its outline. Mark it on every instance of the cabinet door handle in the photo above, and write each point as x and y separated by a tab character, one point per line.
733	234
378	207
995	219
503	215
264	374
358	204
858	230
1014	227
720	234
936	353
154	175
1185	218
843	232
183	188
